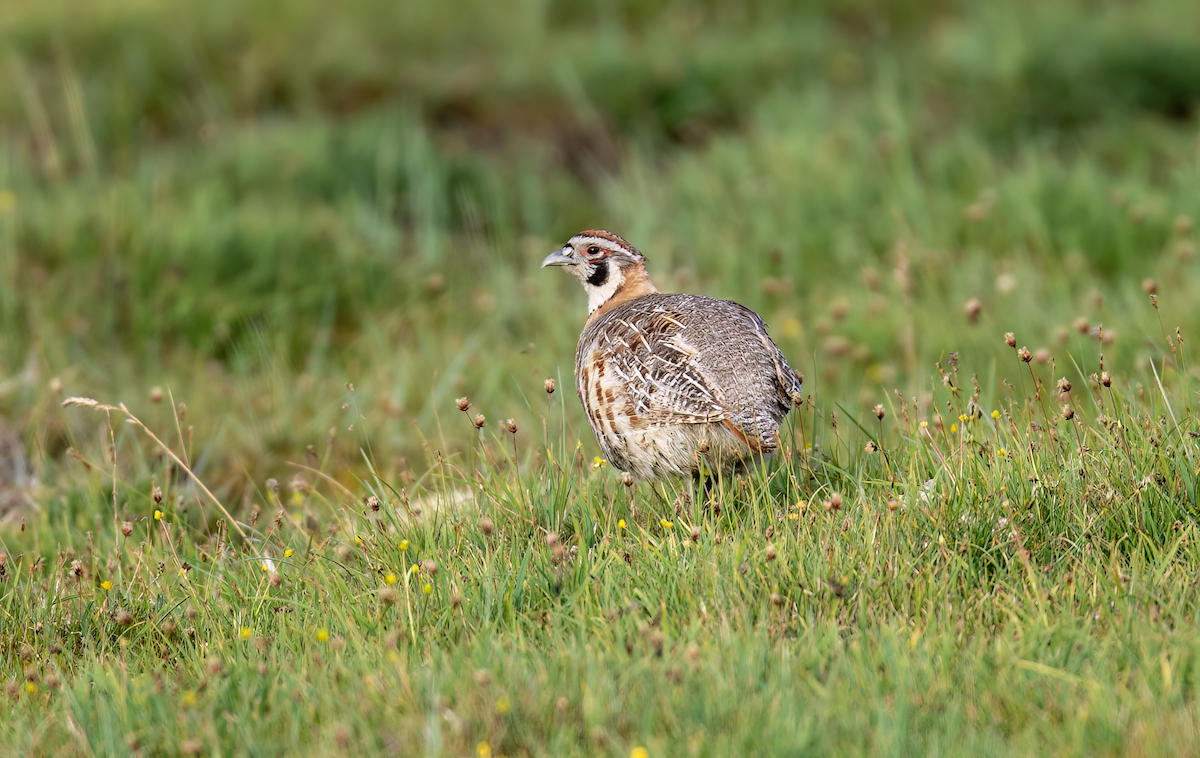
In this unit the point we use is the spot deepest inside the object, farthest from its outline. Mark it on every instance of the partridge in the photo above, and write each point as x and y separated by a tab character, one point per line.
672	385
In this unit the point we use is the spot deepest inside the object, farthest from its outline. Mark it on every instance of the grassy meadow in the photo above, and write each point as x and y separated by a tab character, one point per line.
260	250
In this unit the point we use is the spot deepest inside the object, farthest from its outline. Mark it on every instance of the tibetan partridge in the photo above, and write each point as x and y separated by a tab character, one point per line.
673	385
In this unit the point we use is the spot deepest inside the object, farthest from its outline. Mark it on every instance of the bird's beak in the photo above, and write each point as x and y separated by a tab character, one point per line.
559	258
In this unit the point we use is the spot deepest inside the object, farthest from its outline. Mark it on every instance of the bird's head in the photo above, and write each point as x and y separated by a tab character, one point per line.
610	269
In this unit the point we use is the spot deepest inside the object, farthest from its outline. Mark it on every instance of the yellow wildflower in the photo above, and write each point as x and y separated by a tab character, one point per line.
502	706
1002	452
996	414
639	752
30	687
106	585
953	428
404	544
158	515
427	589
666	524
483	750
322	635
621	524
390	578
288	553
245	633
598	462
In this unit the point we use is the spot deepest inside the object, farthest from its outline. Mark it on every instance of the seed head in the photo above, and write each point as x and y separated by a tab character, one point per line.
156	493
627	479
430	567
1024	354
1105	378
879	412
463	404
373	502
776	599
274	579
487	527
1042	355
972	308
551	539
549	386
1150	287
124	617
1068	412
770	552
1064	385
511	426
479	420
1009	339
1081	325
835	501
695	534
455	599
389	595
215	666
126	528
156	394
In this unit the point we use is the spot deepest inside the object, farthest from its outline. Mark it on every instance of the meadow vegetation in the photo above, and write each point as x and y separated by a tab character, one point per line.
262	249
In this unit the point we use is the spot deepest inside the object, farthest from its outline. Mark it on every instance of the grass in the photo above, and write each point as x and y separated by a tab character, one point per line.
286	242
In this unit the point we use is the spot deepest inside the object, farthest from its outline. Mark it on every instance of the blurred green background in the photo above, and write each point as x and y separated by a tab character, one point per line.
252	204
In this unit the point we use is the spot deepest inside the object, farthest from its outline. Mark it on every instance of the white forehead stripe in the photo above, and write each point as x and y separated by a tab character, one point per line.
589	240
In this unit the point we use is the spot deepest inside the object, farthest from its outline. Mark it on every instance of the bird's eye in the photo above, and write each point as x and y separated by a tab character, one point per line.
593	250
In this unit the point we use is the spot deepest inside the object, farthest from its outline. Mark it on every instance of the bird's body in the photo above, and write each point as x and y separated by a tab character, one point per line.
672	384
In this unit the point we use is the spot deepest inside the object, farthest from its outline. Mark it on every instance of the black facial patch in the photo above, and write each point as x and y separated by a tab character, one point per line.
600	275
